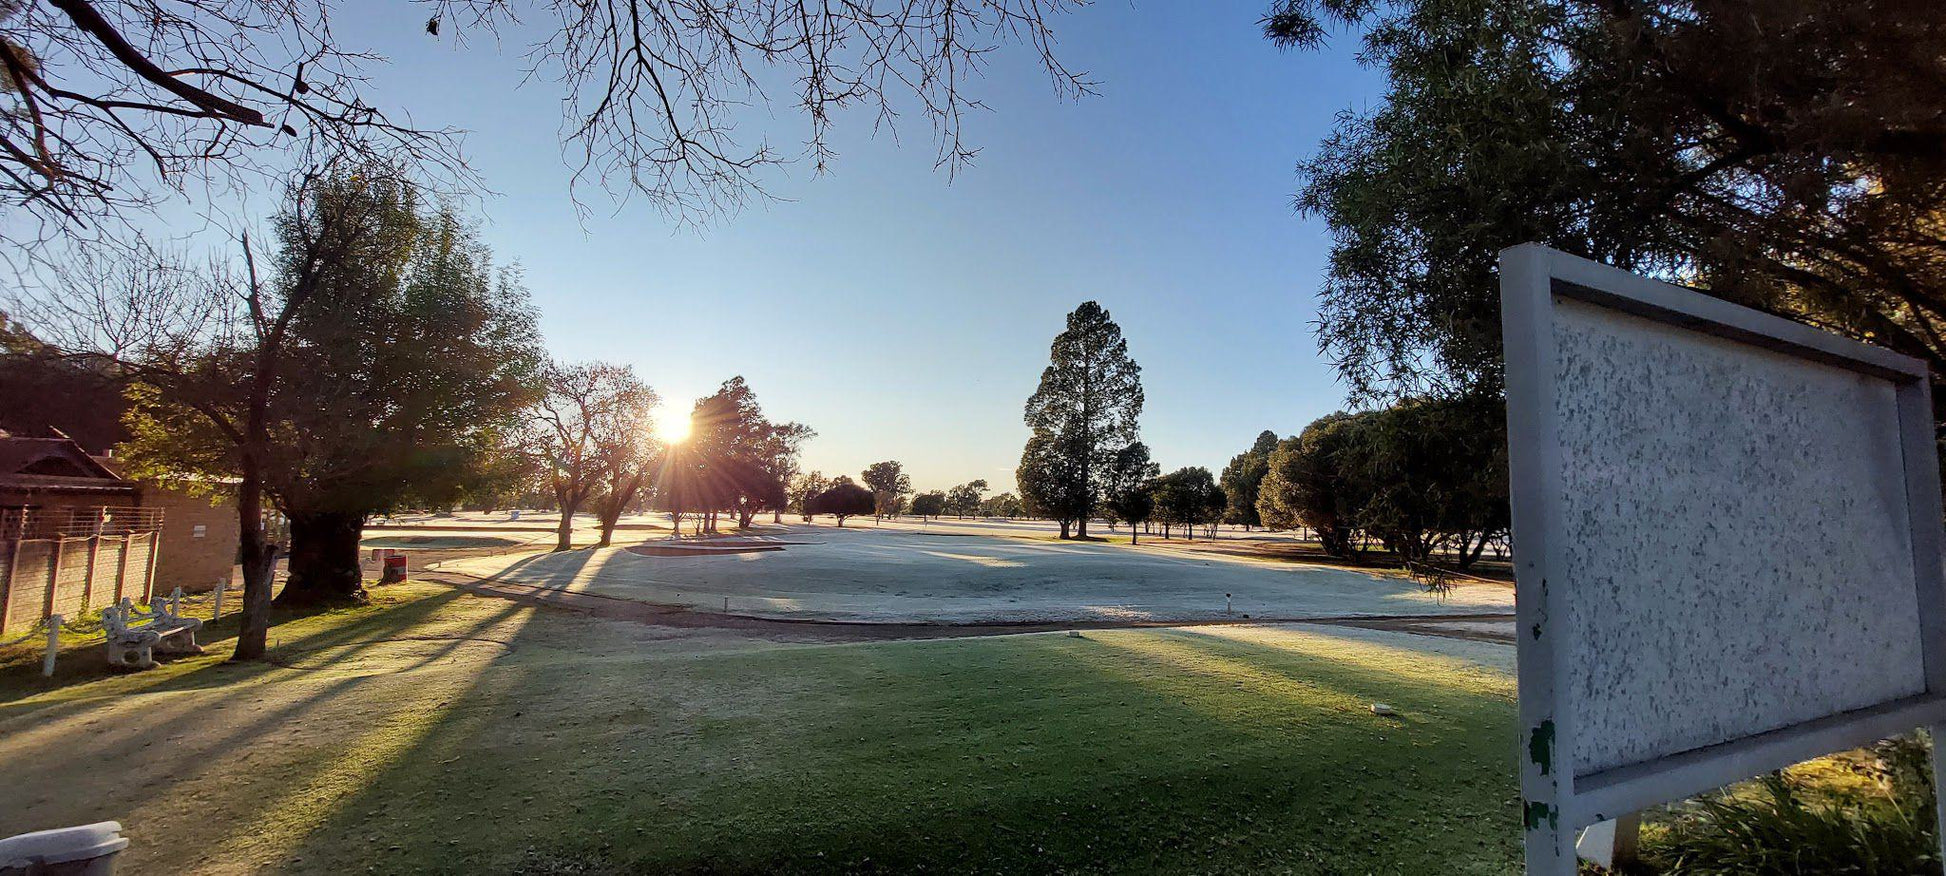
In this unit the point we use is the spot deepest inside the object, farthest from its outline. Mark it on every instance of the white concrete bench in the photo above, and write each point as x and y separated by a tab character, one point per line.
134	637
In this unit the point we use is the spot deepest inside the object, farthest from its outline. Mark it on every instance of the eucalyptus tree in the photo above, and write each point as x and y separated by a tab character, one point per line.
1307	484
889	484
742	460
629	457
964	500
1002	505
588	417
803	488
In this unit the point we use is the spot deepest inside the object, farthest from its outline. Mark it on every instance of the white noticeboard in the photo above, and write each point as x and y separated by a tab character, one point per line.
1727	534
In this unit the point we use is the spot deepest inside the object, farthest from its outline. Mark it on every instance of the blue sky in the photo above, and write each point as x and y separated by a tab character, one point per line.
906	315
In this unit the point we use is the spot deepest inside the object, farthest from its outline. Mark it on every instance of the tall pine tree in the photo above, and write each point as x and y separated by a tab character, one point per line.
1083	413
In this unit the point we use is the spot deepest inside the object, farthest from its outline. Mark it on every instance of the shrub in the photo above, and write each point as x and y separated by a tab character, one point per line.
1873	819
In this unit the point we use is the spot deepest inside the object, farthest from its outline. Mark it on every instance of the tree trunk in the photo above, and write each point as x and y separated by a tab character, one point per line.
1081	531
259	565
1064	527
1134	534
609	516
564	531
324	559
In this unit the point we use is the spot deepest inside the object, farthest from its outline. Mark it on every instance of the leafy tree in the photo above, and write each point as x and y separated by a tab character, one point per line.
407	400
401	371
1242	477
1050	487
1188	497
1423	477
779	466
964	499
931	504
1781	154
1306	485
589	417
1084	411
1003	505
1129	491
630	458
890	485
1433	475
681	486
843	500
743	459
803	488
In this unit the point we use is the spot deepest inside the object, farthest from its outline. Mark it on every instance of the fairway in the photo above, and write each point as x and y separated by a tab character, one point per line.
906	575
450	733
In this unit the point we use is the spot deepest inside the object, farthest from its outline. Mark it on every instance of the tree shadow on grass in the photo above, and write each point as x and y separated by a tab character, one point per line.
1030	753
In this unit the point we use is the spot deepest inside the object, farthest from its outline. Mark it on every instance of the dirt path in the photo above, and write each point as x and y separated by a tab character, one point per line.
681	616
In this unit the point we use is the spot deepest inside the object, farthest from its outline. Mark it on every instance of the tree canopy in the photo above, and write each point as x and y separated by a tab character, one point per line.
843	500
402	376
1423	477
1129	490
964	500
588	423
1242	477
929	504
1188	497
890	485
1783	154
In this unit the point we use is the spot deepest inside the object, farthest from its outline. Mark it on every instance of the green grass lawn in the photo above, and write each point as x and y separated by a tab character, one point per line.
439	732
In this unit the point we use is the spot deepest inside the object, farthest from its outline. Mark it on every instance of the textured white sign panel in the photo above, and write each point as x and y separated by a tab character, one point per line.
1736	537
1726	536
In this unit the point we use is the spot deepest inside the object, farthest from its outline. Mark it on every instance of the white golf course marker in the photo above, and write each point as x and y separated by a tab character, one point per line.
1726	538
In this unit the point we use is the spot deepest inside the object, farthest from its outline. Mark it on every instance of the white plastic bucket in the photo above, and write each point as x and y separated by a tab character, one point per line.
88	850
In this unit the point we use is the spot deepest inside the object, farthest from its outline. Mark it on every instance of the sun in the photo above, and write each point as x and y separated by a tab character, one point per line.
672	428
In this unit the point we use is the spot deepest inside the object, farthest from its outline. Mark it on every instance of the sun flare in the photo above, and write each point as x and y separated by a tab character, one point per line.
672	428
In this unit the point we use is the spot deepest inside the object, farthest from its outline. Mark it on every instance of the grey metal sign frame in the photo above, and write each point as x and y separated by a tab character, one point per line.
1556	802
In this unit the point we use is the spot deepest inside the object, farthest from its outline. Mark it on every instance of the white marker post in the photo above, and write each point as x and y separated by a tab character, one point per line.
54	622
1729	515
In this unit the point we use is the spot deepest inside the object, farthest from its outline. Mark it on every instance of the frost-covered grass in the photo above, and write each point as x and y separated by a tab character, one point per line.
439	732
